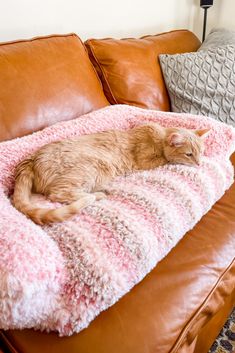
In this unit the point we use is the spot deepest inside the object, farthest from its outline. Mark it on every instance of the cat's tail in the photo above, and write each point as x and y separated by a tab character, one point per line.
22	198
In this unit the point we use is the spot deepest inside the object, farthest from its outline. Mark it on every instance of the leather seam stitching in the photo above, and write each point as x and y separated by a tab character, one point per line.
7	342
39	38
93	68
102	71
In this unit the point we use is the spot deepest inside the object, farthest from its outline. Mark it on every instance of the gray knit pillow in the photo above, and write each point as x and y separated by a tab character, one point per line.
202	82
218	37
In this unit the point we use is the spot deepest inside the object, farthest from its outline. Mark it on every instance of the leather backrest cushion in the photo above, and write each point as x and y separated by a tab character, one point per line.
129	68
45	80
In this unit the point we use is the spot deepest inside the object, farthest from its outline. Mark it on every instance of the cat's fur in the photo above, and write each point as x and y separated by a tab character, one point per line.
74	171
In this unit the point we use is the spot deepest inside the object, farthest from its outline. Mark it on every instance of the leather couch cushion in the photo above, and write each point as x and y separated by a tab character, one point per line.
167	311
45	80
129	68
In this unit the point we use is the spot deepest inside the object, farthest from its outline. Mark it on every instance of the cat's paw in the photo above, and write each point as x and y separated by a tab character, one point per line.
100	195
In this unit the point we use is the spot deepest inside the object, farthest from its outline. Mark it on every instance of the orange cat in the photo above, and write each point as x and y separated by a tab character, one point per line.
74	171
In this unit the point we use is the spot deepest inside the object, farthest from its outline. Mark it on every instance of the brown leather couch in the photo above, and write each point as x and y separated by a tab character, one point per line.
183	303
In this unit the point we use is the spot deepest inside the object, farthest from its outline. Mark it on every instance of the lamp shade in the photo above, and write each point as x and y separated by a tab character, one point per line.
206	3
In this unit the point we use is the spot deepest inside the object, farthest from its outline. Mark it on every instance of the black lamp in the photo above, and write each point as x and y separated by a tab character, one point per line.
205	4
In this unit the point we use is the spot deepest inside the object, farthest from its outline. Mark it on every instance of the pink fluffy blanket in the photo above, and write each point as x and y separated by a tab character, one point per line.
60	277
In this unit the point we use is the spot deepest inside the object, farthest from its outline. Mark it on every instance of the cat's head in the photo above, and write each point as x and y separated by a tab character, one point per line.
184	146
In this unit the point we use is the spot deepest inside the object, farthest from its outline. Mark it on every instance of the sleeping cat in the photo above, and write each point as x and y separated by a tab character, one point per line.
74	171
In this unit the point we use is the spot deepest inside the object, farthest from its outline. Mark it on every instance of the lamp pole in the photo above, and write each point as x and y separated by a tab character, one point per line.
204	23
205	4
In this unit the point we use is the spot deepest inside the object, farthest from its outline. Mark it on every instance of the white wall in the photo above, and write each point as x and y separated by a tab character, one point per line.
122	18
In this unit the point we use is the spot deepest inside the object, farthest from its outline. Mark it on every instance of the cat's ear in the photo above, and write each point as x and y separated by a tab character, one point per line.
175	139
202	133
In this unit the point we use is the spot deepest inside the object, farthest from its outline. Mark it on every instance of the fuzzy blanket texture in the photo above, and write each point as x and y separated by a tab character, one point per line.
59	277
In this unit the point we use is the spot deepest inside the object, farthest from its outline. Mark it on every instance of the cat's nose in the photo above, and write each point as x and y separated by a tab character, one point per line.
197	161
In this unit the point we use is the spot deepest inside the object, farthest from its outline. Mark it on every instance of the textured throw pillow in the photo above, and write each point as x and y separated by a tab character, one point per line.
202	82
218	37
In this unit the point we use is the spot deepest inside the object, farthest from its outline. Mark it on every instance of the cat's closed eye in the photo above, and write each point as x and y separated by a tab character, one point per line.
189	154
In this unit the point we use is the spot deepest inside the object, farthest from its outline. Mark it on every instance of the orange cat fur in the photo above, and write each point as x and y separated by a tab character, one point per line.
74	171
